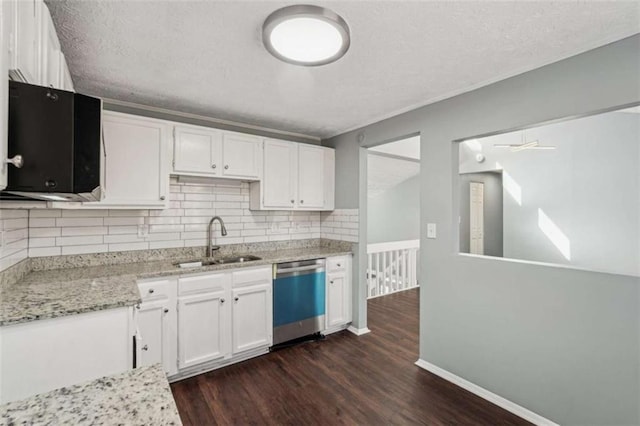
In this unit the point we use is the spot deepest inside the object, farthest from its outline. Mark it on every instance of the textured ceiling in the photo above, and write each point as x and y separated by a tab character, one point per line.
206	57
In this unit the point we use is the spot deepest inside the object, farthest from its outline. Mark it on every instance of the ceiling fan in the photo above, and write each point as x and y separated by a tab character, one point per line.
523	146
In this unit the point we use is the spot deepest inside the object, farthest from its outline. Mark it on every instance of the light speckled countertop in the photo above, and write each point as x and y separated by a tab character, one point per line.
59	292
137	397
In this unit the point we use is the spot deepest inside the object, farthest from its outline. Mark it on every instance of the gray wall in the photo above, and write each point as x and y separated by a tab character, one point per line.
561	342
394	215
492	211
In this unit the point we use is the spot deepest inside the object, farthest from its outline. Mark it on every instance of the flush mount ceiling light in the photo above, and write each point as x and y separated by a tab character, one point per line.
306	35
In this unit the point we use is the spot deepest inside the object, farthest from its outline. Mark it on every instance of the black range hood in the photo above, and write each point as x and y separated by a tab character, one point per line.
57	134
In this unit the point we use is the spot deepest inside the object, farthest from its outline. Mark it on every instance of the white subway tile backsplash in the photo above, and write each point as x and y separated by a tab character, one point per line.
56	232
13	237
79	221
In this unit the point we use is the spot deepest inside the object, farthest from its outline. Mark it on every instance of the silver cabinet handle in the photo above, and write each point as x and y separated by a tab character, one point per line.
162	198
17	161
213	166
145	348
226	167
151	291
221	301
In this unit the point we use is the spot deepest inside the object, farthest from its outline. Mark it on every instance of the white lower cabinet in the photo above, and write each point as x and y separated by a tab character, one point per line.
338	293
252	317
43	355
223	315
202	324
156	325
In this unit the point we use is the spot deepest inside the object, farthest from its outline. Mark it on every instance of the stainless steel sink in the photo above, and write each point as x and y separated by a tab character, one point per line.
237	259
198	263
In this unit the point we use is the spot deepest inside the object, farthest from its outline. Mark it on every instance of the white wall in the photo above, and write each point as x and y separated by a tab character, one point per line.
578	204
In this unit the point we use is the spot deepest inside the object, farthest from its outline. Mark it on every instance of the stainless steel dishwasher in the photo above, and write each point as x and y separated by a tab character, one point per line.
298	299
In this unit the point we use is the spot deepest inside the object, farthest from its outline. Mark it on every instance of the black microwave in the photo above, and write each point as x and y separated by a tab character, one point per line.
57	135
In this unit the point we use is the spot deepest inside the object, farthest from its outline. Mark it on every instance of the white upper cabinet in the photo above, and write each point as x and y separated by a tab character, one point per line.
242	155
136	165
196	151
50	53
34	49
295	177
310	176
203	151
66	83
279	179
24	39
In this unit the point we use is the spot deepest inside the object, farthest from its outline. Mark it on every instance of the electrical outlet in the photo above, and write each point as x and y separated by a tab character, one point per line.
143	231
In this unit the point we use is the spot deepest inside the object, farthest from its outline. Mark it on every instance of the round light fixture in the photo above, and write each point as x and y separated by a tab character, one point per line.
306	35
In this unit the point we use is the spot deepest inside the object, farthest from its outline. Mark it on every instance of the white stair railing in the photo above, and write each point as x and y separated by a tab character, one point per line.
392	267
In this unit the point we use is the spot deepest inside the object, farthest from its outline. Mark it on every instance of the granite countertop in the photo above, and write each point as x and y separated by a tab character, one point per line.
137	397
73	290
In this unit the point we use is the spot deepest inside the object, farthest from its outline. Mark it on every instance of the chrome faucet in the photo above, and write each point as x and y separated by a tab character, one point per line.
211	248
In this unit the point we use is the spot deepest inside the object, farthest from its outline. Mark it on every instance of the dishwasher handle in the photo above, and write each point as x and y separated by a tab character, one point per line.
315	268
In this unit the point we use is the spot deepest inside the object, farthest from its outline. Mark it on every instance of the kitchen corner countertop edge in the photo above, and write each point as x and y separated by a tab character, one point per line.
62	292
141	396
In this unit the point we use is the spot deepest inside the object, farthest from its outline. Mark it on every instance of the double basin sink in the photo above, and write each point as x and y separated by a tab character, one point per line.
197	263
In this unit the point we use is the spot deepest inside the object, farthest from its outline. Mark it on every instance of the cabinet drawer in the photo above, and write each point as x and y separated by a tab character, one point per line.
252	276
337	264
154	290
202	283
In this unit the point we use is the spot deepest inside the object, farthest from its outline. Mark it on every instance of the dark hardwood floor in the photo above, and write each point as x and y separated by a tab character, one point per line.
345	379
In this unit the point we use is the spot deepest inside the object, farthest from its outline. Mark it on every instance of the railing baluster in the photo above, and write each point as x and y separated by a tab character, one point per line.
392	267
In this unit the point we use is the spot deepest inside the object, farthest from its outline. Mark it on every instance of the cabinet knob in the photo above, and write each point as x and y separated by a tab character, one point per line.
16	160
166	310
213	166
226	167
293	201
151	291
162	198
221	301
145	348
236	298
331	282
301	201
338	265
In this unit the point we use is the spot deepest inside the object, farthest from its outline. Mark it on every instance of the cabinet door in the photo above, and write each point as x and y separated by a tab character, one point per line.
310	176
152	340
202	324
196	150
50	53
280	174
25	48
252	317
241	154
136	161
337	300
66	82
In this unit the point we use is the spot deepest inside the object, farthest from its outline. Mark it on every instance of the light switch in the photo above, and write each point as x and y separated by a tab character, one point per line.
431	230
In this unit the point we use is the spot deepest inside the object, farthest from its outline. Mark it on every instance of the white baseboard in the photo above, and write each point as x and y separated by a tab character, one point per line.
485	394
358	331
